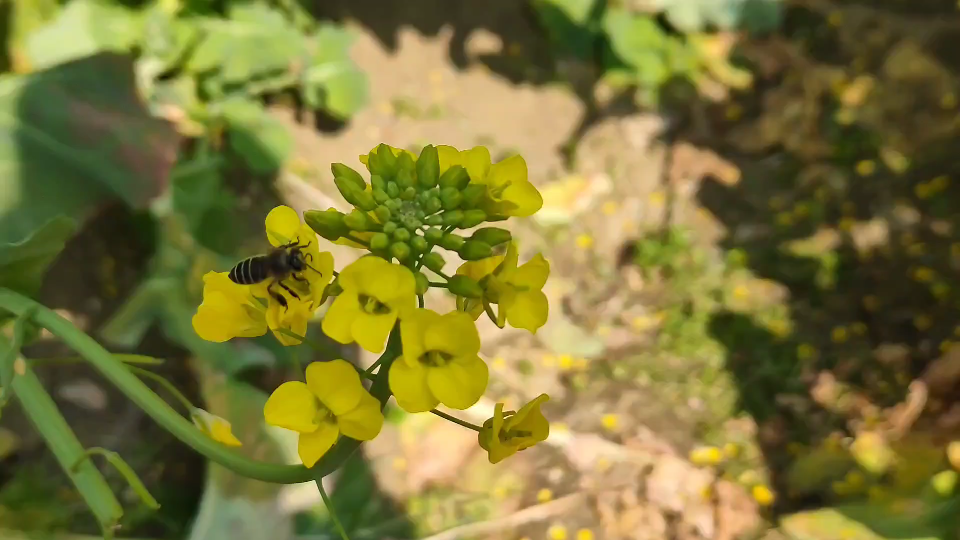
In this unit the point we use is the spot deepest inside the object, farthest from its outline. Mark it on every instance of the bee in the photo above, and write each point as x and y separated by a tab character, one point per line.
283	262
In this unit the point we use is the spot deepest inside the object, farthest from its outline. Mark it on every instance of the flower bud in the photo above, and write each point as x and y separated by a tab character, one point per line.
422	283
389	227
434	220
410	222
494	236
333	289
379	242
472	218
380	195
455	177
428	166
450	198
472	195
377	182
393	190
419	244
400	250
452	217
347	189
364	200
383	214
328	224
358	221
432	205
385	163
434	261
405	180
340	170
408	194
461	285
401	234
433	235
393	204
451	242
472	250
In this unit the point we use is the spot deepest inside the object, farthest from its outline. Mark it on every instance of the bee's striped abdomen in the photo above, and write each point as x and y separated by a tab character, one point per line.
249	271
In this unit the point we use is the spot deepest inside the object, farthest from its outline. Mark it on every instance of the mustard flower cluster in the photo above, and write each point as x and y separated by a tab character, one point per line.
411	208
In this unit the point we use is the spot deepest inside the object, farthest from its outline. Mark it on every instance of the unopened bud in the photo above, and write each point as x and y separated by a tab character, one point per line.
364	200
401	234
383	214
340	170
461	285
422	283
328	224
432	205
419	244
474	251
433	235
451	242
379	241
428	166
434	220
385	163
434	261
472	218
400	250
380	195
377	182
452	217
393	190
450	198
408	194
473	194
405	179
494	236
358	221
455	177
389	227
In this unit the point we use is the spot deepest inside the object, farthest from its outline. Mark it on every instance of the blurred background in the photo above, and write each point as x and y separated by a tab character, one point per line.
750	208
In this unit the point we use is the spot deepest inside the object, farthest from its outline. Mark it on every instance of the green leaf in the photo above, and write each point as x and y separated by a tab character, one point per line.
23	264
332	81
74	136
254	41
634	38
26	17
256	136
83	28
859	522
570	24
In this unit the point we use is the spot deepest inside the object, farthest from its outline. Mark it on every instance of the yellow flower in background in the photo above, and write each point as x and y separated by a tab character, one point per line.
375	293
331	403
214	427
440	362
763	495
507	433
706	455
517	290
228	310
509	191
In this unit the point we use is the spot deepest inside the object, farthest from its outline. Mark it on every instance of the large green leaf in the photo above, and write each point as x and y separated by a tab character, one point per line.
254	41
26	17
74	136
256	136
23	264
634	38
570	24
332	81
83	28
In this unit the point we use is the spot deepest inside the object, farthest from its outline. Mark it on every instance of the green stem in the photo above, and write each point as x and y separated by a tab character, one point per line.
353	238
125	470
167	385
154	405
439	285
456	420
369	371
132	359
332	511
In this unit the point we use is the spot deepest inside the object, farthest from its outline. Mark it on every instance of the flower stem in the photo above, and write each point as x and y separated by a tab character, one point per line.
456	420
369	371
439	285
158	409
167	385
353	238
332	511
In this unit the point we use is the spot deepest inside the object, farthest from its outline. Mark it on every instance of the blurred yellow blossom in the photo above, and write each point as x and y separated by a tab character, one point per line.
544	495
557	532
706	455
214	427
507	433
763	495
866	167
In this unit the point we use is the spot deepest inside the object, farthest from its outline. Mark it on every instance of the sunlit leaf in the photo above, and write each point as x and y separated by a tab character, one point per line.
332	81
83	28
257	137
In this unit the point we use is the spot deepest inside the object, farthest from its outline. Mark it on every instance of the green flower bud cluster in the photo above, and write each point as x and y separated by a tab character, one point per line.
408	208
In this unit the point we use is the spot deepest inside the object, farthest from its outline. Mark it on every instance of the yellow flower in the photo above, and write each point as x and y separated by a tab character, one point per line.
214	427
375	293
331	403
509	192
440	362
507	433
284	227
516	290
763	495
706	455
228	310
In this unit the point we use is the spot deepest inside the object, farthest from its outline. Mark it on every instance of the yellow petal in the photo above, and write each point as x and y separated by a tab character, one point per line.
336	384
533	274
214	427
227	311
312	446
282	224
460	383
477	163
391	284
371	331
531	408
364	422
477	270
292	318
338	320
530	419
528	310
323	263
454	333
448	157
525	197
292	406
353	276
409	386
510	260
413	330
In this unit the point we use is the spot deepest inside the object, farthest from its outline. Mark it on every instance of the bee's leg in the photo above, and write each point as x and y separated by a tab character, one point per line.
299	278
289	290
277	296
